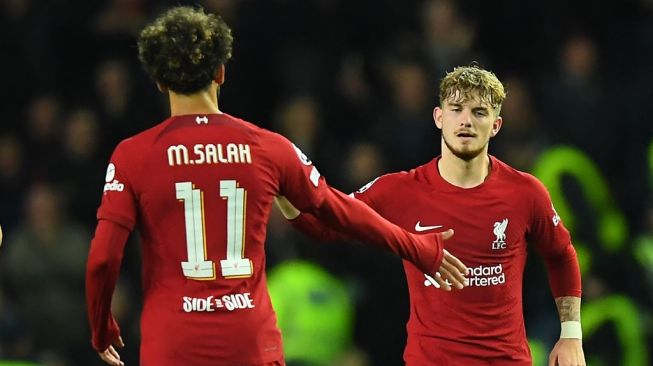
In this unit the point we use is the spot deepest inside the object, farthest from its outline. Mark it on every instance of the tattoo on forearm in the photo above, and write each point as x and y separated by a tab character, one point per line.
568	308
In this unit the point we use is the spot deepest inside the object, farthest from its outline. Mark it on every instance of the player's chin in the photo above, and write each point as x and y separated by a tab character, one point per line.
467	153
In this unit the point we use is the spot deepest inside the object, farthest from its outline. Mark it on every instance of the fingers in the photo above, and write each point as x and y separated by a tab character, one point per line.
447	234
120	343
453	270
441	282
111	356
457	264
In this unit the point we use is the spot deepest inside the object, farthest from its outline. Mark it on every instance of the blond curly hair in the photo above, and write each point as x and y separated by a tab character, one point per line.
468	80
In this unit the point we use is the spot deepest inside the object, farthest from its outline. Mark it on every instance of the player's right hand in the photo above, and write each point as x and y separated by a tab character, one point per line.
452	271
111	356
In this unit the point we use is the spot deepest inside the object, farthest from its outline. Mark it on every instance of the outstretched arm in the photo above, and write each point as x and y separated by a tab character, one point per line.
342	217
308	223
102	272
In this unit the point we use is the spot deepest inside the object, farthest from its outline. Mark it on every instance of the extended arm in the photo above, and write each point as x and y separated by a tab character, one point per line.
346	218
102	272
308	223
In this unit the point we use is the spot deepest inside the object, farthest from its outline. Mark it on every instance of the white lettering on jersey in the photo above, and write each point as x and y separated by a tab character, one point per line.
111	183
481	276
111	173
315	176
230	153
114	186
302	157
202	119
500	232
556	217
211	303
367	186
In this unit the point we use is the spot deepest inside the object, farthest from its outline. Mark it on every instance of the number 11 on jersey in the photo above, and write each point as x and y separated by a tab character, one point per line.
198	266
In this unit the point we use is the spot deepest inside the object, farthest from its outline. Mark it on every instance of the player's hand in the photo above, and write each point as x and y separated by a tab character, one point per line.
111	356
567	352
452	271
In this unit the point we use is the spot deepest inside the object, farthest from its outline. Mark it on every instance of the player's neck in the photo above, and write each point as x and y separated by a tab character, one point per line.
464	173
203	102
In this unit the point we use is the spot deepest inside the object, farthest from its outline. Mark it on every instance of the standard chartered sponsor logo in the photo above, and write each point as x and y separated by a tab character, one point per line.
212	303
481	276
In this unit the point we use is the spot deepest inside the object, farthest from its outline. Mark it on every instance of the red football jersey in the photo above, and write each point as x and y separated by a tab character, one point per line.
482	324
199	189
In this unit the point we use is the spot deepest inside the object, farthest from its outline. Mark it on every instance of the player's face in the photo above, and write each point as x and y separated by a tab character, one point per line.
467	125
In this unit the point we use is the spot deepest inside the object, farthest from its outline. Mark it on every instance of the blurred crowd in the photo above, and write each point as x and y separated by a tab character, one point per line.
353	84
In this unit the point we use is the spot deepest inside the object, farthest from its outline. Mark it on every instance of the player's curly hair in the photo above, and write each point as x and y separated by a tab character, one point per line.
183	48
469	79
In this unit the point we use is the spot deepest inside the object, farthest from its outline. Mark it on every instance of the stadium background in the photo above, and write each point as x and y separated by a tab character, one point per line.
353	84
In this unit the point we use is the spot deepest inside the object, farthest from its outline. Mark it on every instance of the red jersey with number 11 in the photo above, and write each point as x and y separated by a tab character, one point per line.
199	188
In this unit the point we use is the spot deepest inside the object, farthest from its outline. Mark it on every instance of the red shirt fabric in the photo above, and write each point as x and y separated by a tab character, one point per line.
494	222
199	189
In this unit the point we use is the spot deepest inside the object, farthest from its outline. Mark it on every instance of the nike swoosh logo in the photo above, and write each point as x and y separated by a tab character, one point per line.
419	227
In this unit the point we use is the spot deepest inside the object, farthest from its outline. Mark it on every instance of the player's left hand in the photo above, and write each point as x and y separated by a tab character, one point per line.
567	352
111	356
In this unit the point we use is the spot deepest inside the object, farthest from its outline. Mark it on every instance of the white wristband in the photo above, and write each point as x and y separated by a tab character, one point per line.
571	329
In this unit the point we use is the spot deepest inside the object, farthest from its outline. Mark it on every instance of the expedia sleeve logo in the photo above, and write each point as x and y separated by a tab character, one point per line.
111	183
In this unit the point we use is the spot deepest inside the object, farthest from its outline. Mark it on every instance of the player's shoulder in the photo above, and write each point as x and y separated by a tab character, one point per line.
137	142
518	179
387	182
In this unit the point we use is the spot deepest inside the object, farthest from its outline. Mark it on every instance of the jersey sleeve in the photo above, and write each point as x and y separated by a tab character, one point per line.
553	242
102	271
311	226
299	181
119	203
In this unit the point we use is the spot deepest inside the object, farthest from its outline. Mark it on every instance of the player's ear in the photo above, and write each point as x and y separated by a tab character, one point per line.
162	88
437	117
219	75
496	126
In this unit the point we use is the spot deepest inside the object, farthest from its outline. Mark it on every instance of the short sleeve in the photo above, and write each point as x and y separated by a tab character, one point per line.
119	202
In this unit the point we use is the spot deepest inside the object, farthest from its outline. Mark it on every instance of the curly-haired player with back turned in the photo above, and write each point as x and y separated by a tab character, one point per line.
199	187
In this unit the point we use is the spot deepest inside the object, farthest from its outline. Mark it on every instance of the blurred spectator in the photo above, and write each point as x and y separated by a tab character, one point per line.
448	38
573	100
121	16
405	127
12	181
43	140
363	164
522	137
44	266
81	172
123	109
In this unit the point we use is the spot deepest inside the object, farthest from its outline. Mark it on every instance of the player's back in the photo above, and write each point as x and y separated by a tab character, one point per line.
202	187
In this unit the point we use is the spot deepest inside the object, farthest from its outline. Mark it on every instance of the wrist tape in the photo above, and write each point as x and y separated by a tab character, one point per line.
571	329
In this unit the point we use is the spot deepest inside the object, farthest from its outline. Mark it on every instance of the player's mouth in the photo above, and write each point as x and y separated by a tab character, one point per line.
465	136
